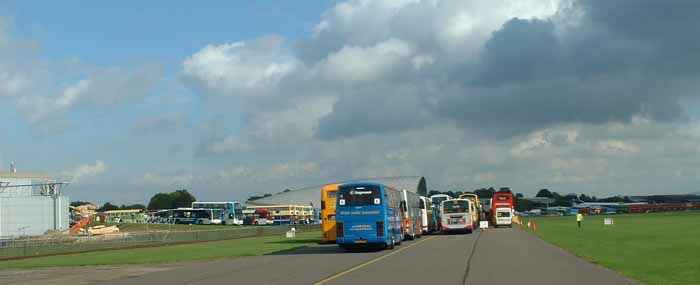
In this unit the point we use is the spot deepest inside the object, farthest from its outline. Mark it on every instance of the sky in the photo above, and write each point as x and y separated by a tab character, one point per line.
234	98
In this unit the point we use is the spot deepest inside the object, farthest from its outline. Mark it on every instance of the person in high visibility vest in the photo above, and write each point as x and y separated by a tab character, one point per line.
579	219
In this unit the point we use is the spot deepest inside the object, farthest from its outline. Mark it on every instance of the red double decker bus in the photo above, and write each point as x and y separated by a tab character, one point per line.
502	209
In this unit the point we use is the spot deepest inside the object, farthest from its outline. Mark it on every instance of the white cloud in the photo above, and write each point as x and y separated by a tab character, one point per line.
85	172
277	130
11	83
372	70
616	146
241	68
354	63
103	88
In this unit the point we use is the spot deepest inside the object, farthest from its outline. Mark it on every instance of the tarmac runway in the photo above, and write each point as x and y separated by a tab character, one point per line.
495	256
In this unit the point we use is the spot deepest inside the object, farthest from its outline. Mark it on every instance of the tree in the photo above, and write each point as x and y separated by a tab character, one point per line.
182	198
544	193
522	205
519	195
133	207
627	199
160	201
504	190
79	203
585	198
484	193
256	197
108	207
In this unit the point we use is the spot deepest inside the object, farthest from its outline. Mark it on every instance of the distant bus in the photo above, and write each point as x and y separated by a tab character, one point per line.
438	198
224	213
185	216
427	217
477	203
286	214
368	214
328	195
456	216
502	209
412	221
124	216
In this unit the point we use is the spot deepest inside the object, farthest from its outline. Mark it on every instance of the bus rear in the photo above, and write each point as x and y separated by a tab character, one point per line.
502	209
477	204
456	216
365	216
328	201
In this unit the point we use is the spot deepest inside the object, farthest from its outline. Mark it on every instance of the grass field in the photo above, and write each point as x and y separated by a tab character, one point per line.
661	248
173	253
127	227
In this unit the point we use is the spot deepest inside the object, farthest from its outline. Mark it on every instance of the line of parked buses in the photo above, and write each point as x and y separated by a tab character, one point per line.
364	214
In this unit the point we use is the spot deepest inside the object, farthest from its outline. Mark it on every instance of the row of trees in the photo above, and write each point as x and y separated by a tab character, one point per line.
521	204
177	199
110	207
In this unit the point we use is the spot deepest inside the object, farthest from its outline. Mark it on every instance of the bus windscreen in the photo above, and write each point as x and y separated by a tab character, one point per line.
456	206
359	196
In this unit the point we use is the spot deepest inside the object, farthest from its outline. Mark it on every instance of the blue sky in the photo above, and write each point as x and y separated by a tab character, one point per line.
234	98
133	32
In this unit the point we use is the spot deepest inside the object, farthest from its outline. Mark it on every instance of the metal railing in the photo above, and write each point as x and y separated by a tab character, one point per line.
63	244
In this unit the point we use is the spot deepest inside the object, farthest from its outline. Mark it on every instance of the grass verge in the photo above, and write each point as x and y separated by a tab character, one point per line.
130	227
173	253
660	248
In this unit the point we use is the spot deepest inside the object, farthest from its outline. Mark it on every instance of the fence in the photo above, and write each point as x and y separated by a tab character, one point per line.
28	247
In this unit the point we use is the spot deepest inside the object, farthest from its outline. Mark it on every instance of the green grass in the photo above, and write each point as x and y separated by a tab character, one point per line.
128	227
173	253
662	248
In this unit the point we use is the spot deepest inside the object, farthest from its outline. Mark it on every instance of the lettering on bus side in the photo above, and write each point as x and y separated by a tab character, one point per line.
374	212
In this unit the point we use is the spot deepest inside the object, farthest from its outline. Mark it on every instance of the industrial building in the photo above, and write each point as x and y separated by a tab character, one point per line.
31	204
312	195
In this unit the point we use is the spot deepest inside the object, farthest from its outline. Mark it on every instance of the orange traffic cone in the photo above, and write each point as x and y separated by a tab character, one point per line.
534	227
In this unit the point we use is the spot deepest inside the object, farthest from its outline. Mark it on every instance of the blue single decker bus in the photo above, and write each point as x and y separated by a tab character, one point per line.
368	214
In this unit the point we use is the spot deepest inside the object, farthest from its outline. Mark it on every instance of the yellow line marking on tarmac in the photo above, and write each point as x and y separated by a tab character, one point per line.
361	265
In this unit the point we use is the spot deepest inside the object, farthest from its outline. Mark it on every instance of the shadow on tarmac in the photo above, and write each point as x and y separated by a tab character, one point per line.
325	249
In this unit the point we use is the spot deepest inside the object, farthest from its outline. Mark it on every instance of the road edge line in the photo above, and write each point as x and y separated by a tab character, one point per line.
369	262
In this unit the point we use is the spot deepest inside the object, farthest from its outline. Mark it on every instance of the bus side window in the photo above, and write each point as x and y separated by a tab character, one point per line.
323	205
331	217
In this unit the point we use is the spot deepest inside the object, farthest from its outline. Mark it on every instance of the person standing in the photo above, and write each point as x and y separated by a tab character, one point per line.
579	219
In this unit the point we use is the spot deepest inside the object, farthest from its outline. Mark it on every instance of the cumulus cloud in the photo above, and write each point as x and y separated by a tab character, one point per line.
572	94
240	68
85	172
103	88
